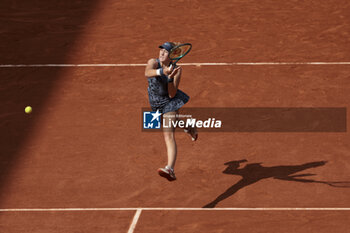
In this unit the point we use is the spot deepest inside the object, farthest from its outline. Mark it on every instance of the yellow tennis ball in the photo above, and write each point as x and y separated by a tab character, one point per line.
28	109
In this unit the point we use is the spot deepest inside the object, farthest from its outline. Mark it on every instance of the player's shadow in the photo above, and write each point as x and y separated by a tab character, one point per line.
255	172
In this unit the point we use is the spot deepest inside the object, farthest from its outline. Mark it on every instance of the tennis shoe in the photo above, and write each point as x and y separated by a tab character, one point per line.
193	133
167	173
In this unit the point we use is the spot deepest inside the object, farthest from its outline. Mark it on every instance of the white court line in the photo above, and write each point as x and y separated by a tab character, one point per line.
134	221
183	64
175	209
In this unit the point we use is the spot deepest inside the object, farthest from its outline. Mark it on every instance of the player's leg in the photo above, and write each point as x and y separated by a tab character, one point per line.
169	137
192	131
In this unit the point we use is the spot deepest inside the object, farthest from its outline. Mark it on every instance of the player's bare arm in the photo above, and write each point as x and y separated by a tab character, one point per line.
173	86
151	68
152	71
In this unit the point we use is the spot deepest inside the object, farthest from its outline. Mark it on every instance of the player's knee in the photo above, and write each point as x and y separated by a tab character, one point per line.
168	136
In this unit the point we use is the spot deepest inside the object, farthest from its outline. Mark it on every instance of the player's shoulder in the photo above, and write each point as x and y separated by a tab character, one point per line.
152	61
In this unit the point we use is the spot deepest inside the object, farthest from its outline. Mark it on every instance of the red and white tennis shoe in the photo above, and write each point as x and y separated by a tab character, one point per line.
167	173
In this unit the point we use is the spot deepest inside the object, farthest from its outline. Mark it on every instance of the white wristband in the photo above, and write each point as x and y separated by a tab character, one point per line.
160	72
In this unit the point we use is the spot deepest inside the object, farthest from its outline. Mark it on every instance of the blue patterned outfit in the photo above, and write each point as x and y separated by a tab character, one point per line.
159	97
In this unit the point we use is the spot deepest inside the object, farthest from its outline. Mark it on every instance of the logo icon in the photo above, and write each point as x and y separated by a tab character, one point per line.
151	120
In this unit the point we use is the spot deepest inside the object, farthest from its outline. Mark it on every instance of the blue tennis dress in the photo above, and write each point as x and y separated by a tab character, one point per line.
159	97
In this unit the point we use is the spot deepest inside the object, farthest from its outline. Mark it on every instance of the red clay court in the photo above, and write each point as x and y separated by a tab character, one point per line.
81	163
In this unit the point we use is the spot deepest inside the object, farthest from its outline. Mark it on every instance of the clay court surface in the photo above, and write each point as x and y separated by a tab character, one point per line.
80	162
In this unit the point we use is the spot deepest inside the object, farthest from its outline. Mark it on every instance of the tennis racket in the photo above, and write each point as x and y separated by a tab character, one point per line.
179	52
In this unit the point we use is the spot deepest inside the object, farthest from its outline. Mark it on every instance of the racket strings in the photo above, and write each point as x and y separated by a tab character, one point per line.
180	51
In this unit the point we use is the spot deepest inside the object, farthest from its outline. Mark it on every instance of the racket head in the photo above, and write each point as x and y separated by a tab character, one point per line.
180	51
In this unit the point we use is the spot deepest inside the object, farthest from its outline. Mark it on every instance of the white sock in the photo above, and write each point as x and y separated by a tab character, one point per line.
169	168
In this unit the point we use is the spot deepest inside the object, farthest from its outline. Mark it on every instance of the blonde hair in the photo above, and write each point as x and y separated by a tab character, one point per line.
175	43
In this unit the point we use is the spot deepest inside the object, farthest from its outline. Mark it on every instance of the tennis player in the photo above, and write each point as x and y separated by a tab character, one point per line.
164	96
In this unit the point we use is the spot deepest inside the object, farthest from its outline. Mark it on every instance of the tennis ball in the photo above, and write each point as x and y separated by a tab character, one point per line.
28	109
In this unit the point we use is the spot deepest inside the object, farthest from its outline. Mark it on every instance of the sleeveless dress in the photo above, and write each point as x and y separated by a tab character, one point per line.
159	97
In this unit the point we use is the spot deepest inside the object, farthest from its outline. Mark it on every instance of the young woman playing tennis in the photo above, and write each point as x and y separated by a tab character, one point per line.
164	95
